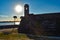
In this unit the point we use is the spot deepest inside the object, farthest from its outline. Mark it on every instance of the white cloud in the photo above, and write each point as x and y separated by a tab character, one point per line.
3	16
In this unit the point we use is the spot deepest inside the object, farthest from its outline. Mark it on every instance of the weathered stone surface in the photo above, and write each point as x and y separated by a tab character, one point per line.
42	24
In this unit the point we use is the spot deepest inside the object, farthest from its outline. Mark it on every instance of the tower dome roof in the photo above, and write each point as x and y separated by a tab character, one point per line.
26	5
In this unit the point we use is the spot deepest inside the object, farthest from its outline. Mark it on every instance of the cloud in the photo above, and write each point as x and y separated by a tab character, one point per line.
3	16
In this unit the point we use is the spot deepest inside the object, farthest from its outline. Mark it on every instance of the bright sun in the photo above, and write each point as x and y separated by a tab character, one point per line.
18	8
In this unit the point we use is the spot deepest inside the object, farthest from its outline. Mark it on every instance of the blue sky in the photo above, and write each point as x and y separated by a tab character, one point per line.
36	7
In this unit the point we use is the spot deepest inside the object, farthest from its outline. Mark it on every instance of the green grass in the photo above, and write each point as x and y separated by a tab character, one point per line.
13	35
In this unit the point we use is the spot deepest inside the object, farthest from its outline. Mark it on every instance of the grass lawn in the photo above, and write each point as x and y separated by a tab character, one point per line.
13	35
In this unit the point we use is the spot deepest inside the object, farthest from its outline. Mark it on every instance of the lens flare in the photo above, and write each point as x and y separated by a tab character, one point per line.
18	8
